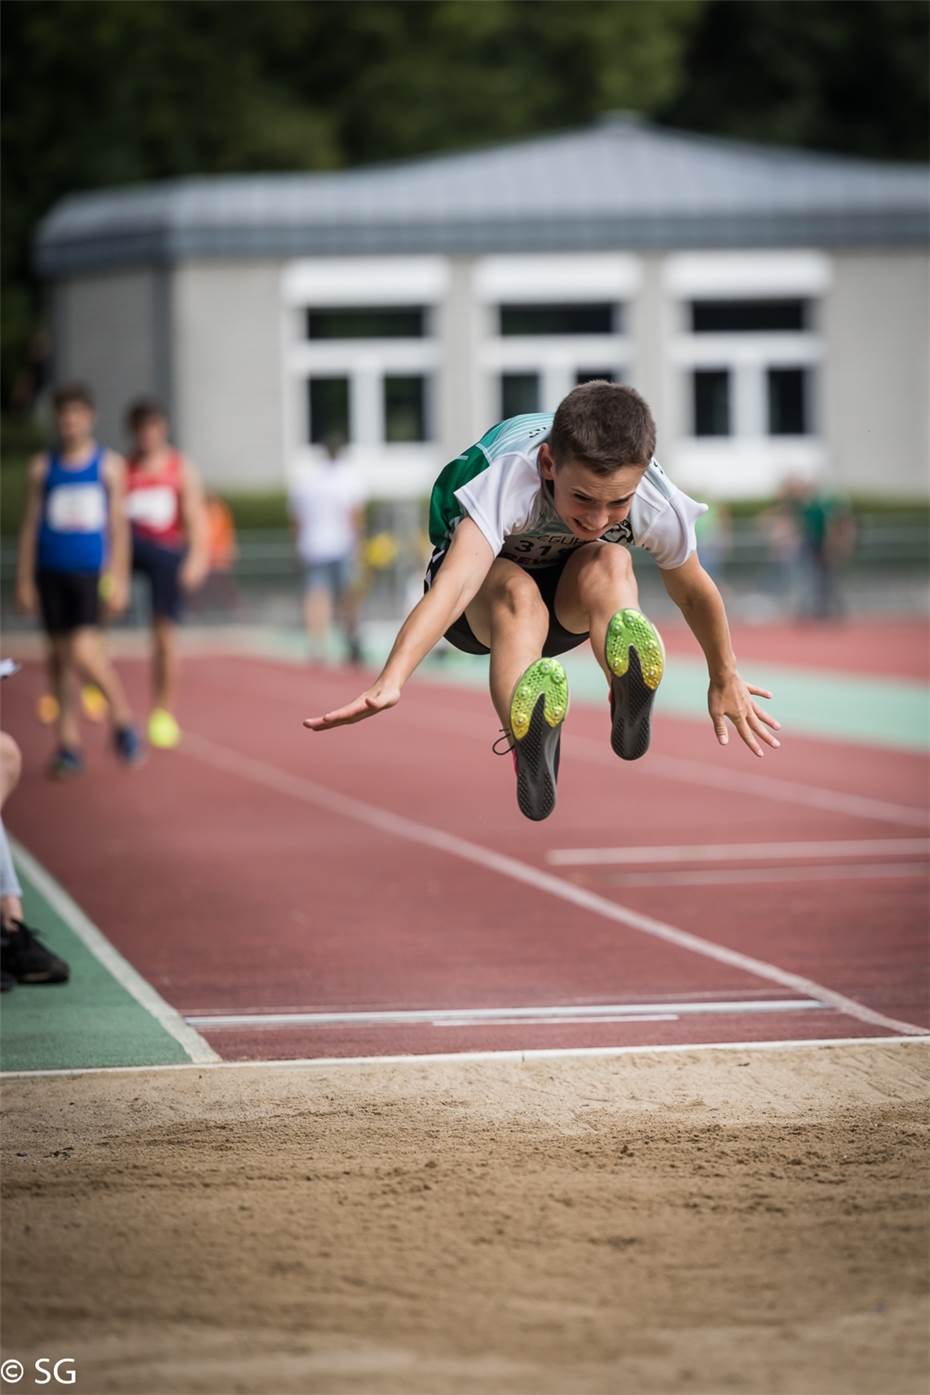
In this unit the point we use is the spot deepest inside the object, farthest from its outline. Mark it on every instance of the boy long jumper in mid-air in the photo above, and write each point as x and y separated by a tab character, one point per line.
526	566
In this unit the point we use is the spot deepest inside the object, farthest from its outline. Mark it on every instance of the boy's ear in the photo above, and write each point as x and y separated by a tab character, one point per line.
545	461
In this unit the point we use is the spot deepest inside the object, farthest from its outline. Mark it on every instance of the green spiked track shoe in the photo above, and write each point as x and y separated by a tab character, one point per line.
635	656
537	710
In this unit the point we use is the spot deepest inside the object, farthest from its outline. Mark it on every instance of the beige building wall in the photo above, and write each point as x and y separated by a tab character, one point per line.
108	334
229	378
875	400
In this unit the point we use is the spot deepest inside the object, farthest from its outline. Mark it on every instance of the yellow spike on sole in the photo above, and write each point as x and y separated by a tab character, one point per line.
547	677
629	629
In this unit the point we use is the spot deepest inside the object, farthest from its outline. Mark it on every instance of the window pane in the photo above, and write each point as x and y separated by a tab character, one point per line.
519	393
591	375
787	402
558	319
404	408
329	409
747	316
711	402
367	322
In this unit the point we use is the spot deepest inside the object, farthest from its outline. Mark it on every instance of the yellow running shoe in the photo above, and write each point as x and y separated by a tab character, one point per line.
537	710
47	709
93	703
635	656
164	732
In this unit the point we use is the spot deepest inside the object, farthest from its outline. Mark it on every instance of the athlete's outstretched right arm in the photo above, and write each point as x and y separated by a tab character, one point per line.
456	584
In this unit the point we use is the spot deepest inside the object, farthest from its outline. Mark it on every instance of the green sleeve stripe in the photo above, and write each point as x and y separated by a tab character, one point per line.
444	509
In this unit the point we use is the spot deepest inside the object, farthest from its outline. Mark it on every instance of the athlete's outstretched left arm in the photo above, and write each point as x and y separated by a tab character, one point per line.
729	696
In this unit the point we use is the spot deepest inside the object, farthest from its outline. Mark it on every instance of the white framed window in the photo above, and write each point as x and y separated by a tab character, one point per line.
362	360
747	351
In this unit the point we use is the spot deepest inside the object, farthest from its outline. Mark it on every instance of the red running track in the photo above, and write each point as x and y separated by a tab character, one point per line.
237	879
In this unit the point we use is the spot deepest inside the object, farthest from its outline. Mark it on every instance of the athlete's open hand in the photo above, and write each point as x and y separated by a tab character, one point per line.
379	697
731	699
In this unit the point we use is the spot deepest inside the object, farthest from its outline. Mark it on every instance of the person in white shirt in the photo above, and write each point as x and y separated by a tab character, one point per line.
327	510
531	528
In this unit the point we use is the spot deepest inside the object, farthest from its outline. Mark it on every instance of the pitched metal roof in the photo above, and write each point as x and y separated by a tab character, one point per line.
621	183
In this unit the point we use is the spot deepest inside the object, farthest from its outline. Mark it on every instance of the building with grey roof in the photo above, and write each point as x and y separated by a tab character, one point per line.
771	304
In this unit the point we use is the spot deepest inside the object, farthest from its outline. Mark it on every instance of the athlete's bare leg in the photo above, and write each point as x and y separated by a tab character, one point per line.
164	663
508	615
88	655
596	581
64	689
318	617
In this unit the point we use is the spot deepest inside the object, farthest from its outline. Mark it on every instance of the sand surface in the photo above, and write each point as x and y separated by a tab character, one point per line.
688	1222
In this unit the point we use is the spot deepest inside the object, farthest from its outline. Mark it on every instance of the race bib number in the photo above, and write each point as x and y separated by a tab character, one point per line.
155	508
77	508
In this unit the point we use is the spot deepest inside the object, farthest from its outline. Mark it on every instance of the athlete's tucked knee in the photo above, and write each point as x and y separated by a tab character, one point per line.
514	593
605	565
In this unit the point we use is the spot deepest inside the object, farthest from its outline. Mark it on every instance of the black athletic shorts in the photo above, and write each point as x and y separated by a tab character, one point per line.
161	567
68	600
558	640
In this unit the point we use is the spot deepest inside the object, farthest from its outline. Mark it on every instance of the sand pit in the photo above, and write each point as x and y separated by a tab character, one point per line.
687	1222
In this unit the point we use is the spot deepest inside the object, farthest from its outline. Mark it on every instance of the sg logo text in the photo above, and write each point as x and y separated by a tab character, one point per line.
63	1371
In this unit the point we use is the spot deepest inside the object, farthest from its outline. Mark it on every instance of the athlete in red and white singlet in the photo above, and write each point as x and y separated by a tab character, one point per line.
164	501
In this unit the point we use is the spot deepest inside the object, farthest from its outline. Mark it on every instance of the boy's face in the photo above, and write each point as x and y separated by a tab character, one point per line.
589	503
150	435
74	422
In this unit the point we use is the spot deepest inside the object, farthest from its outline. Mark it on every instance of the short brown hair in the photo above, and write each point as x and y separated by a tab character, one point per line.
73	392
142	410
604	426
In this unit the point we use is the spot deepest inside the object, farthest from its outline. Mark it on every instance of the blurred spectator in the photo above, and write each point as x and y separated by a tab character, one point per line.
715	538
73	551
812	534
326	506
219	591
170	548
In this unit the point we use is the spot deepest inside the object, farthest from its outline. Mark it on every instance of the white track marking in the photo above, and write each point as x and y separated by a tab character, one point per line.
230	761
449	1057
743	876
736	852
783	791
199	1051
465	1017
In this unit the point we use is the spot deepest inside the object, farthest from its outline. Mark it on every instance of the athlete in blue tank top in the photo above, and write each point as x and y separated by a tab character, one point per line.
531	527
74	540
73	528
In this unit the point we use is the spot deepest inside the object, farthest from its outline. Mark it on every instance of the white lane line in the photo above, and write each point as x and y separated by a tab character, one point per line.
458	1017
99	946
784	791
736	852
230	761
742	876
450	1057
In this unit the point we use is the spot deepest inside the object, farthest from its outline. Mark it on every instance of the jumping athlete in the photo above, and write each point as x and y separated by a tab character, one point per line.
526	526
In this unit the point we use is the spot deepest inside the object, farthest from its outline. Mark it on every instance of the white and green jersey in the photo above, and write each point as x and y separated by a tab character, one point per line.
497	484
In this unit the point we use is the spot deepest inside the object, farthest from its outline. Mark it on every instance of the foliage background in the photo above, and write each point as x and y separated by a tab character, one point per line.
108	92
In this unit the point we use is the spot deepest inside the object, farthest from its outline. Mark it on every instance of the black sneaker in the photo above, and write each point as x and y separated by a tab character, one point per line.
537	710
128	745
26	960
65	764
635	656
7	981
